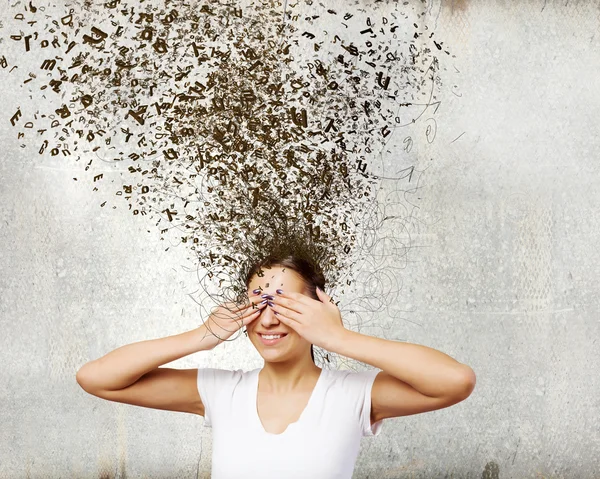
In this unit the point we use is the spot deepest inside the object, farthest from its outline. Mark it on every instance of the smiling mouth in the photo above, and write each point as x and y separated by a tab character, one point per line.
272	336
271	340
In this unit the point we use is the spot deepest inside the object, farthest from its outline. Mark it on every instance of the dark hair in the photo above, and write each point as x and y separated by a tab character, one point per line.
309	271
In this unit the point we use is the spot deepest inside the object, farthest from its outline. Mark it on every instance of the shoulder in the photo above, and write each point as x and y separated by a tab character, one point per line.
218	389
219	383
353	380
210	377
354	390
223	374
349	375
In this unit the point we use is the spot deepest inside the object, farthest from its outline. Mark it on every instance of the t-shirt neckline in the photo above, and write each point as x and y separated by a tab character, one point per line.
254	404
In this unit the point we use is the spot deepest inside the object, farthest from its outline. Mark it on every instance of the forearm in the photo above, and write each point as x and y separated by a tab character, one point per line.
428	370
125	365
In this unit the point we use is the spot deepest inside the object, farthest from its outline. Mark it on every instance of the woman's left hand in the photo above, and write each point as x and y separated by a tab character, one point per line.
319	322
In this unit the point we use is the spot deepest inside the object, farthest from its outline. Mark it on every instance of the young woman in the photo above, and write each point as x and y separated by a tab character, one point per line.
290	418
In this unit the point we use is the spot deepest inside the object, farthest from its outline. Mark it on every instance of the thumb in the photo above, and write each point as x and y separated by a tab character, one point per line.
324	297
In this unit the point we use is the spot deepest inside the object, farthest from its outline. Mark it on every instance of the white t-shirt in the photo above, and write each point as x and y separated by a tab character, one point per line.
322	444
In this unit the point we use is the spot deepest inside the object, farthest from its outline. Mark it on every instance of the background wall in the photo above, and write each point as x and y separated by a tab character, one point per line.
502	272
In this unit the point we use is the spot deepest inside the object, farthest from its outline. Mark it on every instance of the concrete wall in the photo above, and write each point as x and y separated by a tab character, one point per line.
502	271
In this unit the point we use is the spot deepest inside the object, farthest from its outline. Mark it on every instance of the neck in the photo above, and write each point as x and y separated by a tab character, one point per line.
289	376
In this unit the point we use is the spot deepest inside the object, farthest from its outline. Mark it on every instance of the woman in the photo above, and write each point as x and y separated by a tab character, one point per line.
289	418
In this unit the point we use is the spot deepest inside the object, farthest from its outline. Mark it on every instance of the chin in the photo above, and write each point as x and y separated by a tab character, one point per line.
272	355
275	359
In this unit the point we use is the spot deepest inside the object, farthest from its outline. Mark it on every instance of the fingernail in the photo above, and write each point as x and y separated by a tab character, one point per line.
268	296
263	302
279	291
256	291
269	303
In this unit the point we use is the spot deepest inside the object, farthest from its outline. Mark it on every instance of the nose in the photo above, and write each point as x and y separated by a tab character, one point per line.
268	317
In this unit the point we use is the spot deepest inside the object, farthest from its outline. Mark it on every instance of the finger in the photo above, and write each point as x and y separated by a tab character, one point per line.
290	304
227	311
224	317
254	301
293	296
252	317
323	296
248	311
288	313
256	306
230	307
243	308
287	321
249	300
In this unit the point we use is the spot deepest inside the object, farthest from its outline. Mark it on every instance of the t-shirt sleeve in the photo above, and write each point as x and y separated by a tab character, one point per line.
365	380
214	387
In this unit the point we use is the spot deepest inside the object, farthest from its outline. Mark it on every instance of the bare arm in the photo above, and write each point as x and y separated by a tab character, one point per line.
132	374
125	365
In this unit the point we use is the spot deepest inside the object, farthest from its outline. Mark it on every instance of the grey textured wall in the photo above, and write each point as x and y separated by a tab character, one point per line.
502	275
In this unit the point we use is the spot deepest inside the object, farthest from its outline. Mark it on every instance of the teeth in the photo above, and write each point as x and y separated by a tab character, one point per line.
270	336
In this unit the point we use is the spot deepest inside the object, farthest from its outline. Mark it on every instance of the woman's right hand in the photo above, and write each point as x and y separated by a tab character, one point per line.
228	318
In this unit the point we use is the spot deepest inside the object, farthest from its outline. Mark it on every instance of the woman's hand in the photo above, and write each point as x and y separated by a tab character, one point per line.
319	322
227	318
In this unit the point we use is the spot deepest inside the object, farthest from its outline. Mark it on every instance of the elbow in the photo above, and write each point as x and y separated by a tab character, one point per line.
467	381
81	379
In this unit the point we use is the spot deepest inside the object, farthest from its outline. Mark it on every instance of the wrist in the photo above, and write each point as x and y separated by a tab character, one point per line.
204	339
335	343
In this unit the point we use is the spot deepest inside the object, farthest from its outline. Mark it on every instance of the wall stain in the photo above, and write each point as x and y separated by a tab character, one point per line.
491	471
